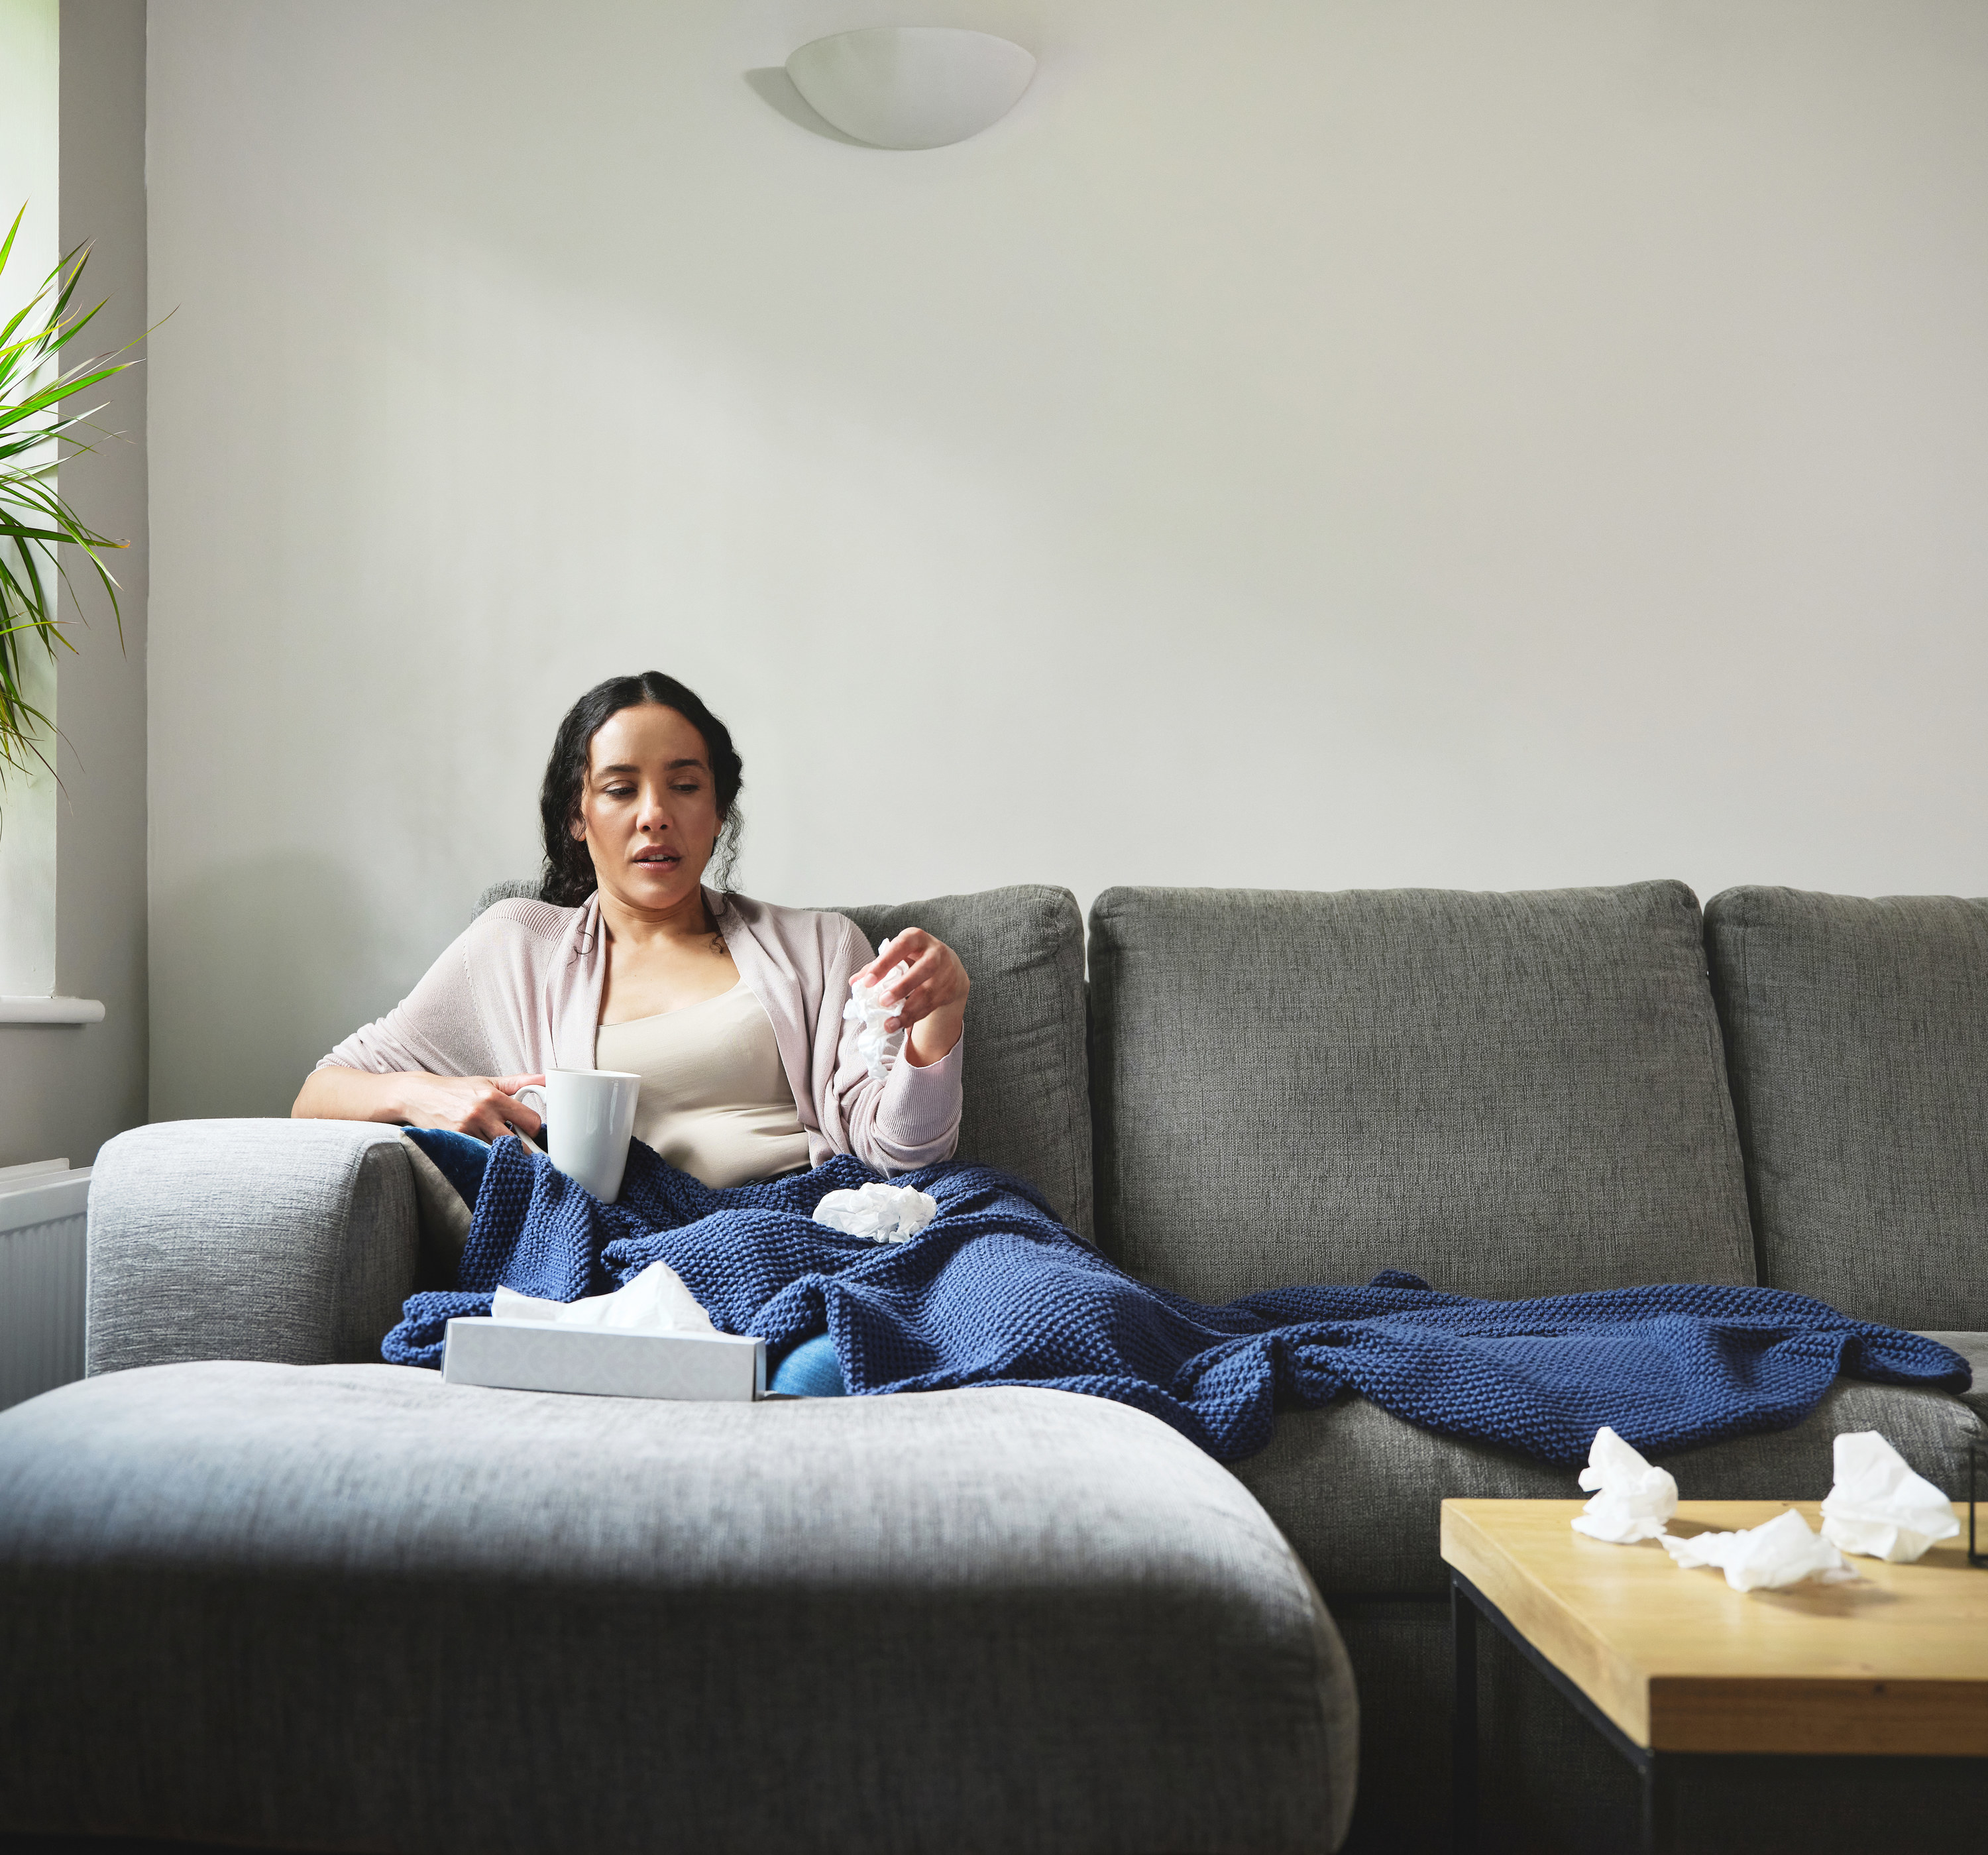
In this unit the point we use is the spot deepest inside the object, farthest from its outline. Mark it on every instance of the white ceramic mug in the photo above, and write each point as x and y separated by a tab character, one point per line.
592	1115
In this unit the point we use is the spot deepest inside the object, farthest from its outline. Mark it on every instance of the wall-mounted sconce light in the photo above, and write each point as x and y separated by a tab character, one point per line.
911	86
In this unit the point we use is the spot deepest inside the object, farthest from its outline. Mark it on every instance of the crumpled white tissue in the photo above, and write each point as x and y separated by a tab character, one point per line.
1879	1508
877	1047
656	1301
1769	1557
887	1213
1635	1499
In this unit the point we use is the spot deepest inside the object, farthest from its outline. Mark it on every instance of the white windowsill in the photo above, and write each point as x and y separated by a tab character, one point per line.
50	1010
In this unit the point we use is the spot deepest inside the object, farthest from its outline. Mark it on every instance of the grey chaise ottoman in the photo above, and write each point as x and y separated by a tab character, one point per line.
352	1608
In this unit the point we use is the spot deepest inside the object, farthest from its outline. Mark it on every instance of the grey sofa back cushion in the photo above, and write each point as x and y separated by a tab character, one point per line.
1510	1094
1028	1105
1856	1031
505	891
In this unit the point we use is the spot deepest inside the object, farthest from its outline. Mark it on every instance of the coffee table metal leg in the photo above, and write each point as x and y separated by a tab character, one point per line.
1656	1826
1462	1720
1656	1773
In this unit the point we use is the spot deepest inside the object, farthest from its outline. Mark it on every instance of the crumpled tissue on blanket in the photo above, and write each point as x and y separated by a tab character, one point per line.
1782	1552
1634	1499
887	1213
877	1047
656	1301
1879	1507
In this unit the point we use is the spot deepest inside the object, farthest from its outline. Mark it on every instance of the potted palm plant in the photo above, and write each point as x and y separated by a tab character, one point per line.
34	520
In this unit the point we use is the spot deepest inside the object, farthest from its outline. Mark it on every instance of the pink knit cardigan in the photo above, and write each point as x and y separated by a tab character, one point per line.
518	992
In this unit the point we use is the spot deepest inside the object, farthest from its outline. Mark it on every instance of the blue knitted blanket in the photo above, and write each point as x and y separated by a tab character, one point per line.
994	1290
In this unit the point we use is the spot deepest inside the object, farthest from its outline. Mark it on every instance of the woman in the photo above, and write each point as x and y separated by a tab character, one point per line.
730	1010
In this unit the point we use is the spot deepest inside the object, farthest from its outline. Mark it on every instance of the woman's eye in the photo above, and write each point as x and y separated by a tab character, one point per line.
691	787
620	792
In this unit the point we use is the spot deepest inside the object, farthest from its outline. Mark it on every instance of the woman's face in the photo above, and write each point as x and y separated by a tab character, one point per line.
648	813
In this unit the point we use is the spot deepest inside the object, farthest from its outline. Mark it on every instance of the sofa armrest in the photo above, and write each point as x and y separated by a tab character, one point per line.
290	1241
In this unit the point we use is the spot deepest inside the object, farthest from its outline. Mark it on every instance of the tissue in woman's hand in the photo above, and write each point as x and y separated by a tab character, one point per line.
1879	1508
887	1213
1634	1500
655	1301
877	1047
1769	1557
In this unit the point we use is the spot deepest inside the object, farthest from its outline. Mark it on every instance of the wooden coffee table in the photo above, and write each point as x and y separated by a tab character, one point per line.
1666	1665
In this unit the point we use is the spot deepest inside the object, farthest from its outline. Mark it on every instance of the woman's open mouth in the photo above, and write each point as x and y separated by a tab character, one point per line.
658	859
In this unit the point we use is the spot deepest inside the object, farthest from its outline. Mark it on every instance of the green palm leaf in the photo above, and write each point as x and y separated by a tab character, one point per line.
35	518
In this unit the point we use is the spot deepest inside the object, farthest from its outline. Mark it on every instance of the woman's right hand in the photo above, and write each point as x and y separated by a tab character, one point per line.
484	1105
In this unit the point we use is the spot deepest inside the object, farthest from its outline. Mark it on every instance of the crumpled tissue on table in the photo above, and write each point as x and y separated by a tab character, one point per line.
655	1301
889	1213
1769	1557
1634	1499
877	1047
1879	1506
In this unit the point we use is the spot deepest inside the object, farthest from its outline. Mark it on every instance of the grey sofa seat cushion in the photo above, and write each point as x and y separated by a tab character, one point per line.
1510	1094
1359	1492
352	1608
1027	1108
1028	1103
1973	1348
294	1242
1856	1031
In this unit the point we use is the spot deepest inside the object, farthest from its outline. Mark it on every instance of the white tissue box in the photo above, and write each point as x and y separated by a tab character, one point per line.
605	1362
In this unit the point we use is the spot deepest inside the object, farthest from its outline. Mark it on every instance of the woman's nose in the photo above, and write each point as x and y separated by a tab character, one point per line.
650	815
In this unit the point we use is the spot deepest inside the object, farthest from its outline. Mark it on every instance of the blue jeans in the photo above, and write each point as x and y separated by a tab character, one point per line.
811	1371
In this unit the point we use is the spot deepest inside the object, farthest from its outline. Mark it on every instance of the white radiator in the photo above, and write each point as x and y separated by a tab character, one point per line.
44	1260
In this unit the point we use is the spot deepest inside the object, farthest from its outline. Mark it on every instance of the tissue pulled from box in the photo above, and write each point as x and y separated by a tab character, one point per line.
1879	1506
1769	1558
655	1301
886	1213
877	1047
1632	1500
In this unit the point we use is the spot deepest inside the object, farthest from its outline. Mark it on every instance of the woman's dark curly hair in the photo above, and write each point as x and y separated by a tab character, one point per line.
568	879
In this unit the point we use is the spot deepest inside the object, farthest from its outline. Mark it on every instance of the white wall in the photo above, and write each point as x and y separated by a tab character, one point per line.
1311	444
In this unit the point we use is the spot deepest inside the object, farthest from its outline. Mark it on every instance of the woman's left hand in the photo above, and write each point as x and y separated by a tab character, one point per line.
930	999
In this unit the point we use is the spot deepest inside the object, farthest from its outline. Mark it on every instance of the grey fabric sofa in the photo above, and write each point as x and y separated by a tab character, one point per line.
1514	1095
320	1603
258	1588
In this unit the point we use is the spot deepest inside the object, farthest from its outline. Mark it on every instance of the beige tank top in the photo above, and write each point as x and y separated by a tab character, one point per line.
714	1098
